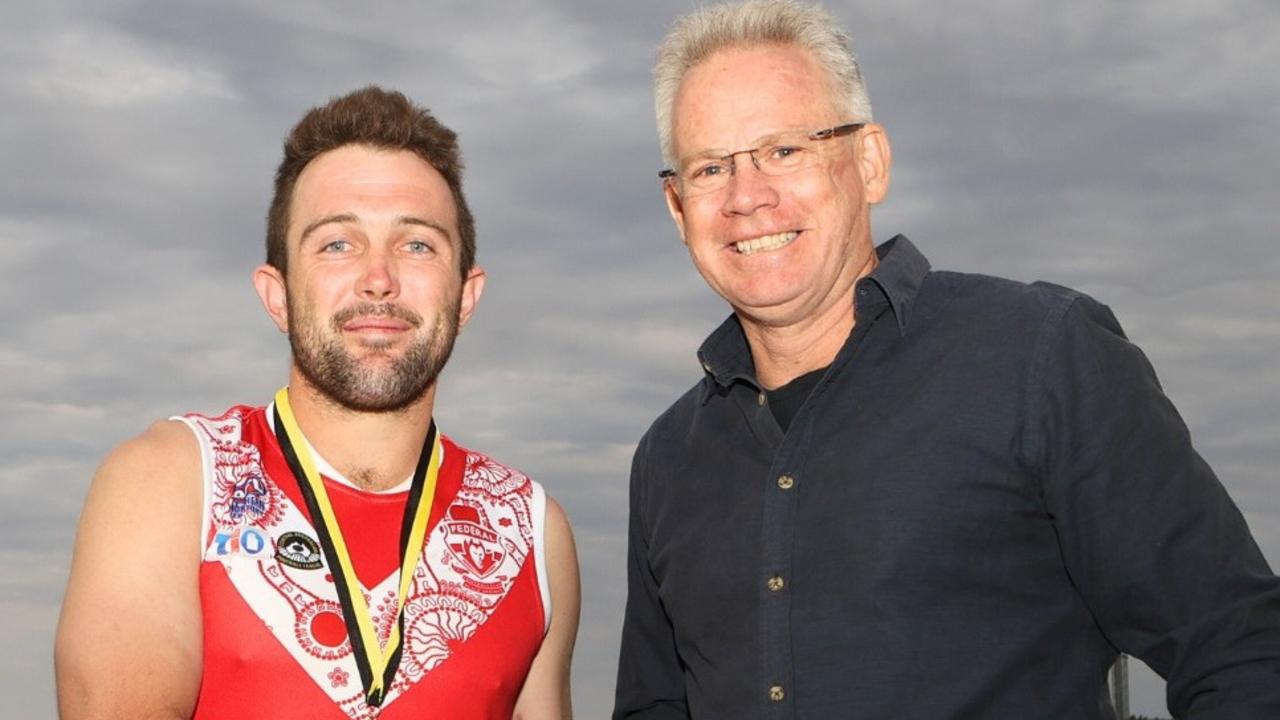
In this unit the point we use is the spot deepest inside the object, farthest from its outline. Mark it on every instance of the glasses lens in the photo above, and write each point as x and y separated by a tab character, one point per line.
775	155
706	175
786	154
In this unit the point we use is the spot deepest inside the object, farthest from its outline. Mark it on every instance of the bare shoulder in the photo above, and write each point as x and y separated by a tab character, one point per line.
562	572
557	521
166	447
150	484
136	561
546	693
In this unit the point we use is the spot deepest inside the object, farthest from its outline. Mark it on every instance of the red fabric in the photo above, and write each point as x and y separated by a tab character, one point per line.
249	674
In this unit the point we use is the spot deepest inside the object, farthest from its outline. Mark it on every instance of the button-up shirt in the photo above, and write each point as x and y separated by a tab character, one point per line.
985	497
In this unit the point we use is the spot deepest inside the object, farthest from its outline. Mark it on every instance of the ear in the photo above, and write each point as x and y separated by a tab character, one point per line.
472	289
675	206
269	284
875	162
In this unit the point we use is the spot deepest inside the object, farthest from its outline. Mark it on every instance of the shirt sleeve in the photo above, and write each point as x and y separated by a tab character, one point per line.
650	675
1158	551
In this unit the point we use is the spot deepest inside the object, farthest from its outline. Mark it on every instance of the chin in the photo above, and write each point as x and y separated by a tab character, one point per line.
762	296
763	307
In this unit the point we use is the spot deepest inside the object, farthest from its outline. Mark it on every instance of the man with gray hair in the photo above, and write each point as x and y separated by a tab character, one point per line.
895	492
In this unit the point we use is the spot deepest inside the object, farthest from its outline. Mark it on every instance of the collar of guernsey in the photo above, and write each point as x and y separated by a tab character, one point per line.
377	664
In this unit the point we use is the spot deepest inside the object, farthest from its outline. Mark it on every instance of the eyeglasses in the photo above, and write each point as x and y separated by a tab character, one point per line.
779	154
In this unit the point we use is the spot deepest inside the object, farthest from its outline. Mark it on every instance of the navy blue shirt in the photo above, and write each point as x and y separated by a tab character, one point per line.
985	497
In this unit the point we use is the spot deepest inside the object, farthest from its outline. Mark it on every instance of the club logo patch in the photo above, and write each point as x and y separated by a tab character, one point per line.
298	551
473	541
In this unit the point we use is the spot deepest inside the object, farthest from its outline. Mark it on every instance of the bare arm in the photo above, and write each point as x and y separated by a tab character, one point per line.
129	638
545	695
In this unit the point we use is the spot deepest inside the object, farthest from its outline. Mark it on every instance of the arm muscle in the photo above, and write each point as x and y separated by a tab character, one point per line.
129	637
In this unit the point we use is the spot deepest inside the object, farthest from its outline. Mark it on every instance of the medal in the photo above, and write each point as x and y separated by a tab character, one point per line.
377	664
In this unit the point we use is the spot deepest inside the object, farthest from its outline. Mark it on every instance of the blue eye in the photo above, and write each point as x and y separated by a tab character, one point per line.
784	152
709	170
336	246
417	246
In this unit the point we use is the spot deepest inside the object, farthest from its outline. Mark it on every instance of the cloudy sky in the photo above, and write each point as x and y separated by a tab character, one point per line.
1127	149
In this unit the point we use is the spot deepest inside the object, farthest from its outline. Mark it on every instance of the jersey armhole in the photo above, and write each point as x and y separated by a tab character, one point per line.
206	482
538	511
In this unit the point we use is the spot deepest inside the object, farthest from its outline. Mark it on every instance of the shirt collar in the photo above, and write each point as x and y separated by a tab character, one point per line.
899	274
726	356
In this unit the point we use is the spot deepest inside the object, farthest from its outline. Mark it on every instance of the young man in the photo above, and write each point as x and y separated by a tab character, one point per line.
896	492
332	554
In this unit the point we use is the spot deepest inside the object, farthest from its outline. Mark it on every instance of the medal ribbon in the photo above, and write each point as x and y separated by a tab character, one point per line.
377	664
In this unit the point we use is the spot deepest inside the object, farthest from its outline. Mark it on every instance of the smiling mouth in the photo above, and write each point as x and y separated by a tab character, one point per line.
765	242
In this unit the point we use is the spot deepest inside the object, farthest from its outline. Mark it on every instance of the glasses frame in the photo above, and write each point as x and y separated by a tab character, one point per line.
670	175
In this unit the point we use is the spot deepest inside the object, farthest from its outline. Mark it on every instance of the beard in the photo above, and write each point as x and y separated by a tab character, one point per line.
374	382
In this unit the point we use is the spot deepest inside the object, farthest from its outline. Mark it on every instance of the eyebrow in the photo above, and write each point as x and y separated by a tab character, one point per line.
339	218
424	222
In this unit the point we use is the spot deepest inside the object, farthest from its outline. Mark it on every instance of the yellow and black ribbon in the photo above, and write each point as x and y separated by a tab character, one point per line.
377	663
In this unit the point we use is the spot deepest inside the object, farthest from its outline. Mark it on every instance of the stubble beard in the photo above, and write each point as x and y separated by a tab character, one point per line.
369	383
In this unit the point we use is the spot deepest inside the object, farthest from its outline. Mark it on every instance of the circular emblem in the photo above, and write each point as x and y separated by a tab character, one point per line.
298	551
321	631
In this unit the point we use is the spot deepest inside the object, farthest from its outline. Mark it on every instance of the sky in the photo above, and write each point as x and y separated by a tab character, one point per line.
1128	150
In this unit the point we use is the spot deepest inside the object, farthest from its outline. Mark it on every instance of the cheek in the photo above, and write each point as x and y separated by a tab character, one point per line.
430	290
843	186
702	225
324	287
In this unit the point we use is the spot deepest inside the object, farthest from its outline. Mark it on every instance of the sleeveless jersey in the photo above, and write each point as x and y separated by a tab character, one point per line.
275	643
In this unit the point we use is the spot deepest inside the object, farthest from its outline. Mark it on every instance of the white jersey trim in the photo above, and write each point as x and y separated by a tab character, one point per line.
539	513
206	479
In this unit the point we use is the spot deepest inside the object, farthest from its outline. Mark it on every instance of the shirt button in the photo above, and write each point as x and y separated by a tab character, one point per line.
777	694
786	482
776	583
760	399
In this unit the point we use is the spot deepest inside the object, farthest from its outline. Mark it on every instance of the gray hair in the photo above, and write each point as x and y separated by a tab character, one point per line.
698	35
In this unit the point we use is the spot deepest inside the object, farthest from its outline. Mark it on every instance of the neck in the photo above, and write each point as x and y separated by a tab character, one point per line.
783	350
784	353
374	450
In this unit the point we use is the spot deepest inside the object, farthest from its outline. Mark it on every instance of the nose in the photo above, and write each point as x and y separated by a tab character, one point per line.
379	279
749	189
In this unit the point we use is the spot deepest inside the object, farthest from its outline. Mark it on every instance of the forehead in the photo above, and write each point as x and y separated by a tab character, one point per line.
740	94
371	184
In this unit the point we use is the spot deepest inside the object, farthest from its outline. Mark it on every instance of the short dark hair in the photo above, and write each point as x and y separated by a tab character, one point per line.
382	119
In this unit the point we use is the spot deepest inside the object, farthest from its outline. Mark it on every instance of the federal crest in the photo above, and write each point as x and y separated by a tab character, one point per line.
473	541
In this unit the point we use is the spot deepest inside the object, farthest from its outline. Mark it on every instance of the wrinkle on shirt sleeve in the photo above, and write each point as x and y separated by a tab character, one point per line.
1160	554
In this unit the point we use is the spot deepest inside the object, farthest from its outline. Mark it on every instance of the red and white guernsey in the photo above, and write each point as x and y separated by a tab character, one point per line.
275	644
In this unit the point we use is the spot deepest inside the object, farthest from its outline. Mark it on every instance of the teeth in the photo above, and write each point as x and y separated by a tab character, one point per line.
767	242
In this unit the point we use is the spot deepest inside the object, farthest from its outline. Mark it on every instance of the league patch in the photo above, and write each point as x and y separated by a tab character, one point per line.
298	551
